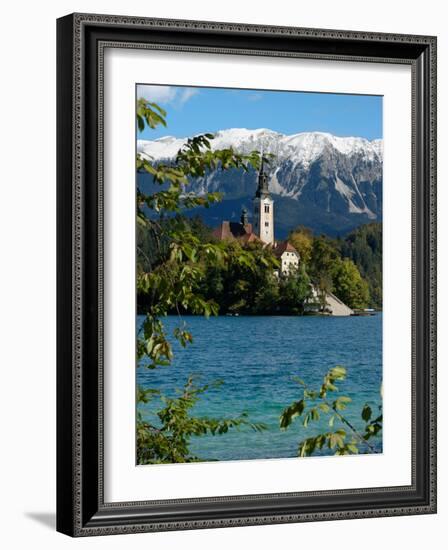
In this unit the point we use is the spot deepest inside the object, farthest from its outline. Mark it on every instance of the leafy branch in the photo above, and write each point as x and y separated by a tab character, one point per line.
174	271
174	282
316	403
167	440
150	114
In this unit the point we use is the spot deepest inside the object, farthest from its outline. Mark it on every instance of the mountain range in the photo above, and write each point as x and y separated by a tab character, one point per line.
330	184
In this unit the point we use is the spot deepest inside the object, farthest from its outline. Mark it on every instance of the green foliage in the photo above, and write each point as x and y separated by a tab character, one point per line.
182	269
167	438
302	240
194	159
294	291
323	256
228	276
172	259
199	229
244	281
331	270
348	285
364	247
150	114
321	402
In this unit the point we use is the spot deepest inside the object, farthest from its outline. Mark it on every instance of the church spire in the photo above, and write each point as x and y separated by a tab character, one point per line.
263	208
263	187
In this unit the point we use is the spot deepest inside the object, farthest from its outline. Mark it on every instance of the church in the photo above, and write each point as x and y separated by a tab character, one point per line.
262	230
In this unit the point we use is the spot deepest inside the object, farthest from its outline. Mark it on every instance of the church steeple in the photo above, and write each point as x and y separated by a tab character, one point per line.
263	187
263	209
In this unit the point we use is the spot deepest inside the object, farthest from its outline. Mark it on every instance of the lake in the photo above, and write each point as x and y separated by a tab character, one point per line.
257	357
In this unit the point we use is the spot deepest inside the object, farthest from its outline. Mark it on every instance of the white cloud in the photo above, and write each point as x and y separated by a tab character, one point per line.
166	94
156	93
186	94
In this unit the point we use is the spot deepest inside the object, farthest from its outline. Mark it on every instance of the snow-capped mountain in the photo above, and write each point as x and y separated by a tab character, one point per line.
329	183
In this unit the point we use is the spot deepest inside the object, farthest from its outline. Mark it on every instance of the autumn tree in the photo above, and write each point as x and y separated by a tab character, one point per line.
302	240
348	285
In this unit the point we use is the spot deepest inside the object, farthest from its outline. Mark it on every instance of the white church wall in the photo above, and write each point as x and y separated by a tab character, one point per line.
264	219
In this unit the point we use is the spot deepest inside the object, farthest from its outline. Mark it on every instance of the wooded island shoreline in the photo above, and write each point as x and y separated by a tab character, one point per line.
246	279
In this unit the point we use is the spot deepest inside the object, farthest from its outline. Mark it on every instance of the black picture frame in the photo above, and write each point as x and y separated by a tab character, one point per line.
81	510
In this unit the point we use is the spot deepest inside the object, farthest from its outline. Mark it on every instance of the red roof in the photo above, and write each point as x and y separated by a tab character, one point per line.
284	246
234	230
250	238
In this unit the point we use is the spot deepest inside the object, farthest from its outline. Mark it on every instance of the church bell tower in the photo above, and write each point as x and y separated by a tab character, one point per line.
263	209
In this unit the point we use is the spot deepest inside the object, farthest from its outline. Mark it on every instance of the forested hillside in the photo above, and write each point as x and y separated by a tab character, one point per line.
364	246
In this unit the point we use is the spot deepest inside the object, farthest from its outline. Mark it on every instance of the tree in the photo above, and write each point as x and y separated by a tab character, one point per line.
343	437
171	265
302	240
348	284
330	272
294	290
323	256
364	246
243	280
167	439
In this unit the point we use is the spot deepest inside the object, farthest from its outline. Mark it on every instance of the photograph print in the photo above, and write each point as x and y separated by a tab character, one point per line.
258	274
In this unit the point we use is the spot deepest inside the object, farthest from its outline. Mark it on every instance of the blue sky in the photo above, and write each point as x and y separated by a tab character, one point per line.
194	111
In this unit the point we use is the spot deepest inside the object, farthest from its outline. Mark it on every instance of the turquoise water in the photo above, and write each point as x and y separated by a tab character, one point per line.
257	357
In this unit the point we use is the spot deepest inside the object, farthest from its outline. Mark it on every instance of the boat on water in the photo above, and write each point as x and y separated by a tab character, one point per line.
364	312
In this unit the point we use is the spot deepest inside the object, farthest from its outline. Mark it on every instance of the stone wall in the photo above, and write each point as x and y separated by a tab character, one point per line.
337	307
